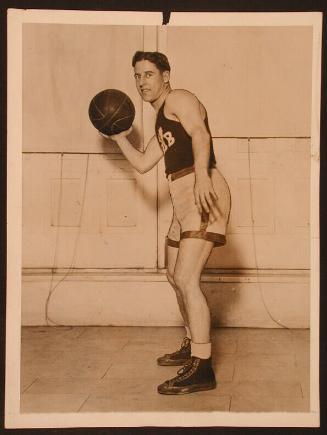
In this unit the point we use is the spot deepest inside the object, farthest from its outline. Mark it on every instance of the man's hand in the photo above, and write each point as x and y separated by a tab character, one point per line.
206	197
116	137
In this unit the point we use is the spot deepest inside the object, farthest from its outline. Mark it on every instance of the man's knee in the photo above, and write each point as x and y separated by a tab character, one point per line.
178	282
170	278
184	283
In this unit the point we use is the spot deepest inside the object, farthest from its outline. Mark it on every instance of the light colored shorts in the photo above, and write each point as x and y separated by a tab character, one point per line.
187	221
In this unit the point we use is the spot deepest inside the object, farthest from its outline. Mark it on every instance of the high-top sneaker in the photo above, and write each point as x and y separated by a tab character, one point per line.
198	375
178	358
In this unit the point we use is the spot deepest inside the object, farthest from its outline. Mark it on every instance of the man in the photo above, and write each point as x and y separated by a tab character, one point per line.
201	203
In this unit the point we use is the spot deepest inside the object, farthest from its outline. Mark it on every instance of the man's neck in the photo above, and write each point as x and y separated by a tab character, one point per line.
158	102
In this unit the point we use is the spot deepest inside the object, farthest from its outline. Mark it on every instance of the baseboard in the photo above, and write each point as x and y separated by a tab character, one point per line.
237	298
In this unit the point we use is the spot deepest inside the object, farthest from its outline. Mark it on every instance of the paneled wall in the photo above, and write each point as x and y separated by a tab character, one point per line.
85	207
87	211
254	81
83	204
64	66
256	85
270	187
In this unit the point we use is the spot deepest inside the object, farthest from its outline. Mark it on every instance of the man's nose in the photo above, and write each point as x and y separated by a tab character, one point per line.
142	81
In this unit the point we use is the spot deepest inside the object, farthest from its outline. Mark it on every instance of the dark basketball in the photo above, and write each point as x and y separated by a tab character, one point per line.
111	111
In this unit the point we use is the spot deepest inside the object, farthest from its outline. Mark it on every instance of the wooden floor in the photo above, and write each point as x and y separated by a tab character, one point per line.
103	369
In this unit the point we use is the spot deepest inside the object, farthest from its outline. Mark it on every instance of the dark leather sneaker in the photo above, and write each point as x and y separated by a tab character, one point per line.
195	376
178	358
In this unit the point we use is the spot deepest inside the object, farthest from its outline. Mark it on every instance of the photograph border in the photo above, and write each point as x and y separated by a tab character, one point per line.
13	418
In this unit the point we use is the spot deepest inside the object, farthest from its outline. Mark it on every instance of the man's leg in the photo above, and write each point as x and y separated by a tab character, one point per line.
182	355
192	257
172	254
198	375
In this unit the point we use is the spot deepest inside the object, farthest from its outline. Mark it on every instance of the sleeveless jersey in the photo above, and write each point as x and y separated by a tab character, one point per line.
176	144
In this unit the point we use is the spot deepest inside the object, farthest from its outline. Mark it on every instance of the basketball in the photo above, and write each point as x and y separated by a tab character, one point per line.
111	111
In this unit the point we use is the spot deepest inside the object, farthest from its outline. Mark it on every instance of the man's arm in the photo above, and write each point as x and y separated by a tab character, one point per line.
141	161
186	107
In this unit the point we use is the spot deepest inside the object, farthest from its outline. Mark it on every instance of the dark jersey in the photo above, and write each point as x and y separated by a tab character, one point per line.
176	144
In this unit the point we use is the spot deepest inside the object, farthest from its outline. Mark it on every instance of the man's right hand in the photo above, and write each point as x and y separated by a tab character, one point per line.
116	137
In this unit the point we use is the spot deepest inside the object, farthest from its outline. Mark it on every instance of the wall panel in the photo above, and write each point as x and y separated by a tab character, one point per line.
270	183
80	208
87	212
64	67
254	81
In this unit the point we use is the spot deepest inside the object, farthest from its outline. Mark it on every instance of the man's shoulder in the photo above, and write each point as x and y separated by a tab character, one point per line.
180	97
176	94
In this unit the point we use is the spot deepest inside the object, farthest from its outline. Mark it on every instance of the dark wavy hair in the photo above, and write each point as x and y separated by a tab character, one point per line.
159	59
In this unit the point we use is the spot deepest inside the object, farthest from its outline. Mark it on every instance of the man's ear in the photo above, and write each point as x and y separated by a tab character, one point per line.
166	76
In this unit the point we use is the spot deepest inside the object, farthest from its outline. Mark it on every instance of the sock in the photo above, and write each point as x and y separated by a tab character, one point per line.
201	350
188	332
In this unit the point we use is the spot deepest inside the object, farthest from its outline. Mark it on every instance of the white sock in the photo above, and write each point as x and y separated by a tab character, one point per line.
201	350
188	332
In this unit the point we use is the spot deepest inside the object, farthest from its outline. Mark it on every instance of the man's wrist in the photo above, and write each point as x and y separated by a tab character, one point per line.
120	139
201	172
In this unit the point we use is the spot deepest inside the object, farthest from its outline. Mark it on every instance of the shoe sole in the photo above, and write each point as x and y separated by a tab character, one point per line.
173	363
188	390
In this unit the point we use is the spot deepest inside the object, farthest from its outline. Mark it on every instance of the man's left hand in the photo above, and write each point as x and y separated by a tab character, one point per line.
206	197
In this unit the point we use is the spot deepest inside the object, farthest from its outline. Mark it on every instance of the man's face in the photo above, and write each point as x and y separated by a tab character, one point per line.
150	81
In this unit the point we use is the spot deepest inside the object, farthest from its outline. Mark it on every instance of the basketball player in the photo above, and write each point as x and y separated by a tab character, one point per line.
201	204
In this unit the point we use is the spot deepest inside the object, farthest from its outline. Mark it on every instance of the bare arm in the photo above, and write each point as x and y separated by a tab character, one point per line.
141	161
186	107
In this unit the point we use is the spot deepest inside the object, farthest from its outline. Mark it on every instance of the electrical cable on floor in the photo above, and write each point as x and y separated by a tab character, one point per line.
47	318
255	246
52	289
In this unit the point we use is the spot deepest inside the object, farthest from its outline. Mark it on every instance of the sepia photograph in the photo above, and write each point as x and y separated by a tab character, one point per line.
163	219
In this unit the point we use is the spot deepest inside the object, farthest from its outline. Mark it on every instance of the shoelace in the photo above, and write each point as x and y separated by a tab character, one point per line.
185	368
184	345
187	371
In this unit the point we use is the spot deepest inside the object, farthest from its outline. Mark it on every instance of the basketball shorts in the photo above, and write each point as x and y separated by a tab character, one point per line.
187	221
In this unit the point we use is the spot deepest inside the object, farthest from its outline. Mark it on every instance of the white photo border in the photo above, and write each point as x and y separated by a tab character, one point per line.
13	417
